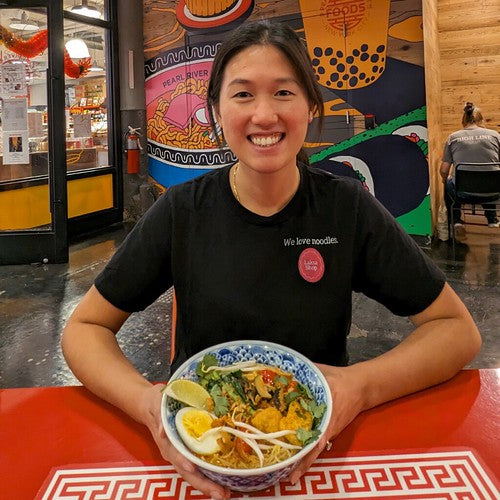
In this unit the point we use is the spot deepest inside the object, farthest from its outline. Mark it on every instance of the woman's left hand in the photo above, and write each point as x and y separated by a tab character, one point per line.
346	390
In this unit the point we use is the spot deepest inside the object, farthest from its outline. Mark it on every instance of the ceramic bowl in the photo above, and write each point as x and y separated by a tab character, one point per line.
304	371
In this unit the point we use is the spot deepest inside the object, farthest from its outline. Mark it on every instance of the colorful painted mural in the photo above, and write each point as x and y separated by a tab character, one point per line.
368	58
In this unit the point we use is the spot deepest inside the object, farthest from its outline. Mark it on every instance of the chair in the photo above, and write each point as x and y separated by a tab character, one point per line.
475	184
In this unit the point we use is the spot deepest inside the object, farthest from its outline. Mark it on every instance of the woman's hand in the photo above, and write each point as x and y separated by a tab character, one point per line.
346	389
152	419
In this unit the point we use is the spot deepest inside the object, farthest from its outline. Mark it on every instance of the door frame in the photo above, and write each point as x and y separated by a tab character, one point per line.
50	245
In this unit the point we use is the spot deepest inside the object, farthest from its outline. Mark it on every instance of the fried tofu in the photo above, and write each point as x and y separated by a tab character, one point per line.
296	418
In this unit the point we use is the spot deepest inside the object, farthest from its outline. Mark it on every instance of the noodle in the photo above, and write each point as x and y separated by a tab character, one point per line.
233	460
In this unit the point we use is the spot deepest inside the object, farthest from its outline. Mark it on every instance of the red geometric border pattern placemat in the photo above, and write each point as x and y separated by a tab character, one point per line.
443	475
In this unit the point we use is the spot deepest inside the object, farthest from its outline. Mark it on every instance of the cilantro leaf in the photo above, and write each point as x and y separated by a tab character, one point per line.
208	360
229	389
314	408
238	385
305	390
220	402
291	396
306	437
281	380
317	409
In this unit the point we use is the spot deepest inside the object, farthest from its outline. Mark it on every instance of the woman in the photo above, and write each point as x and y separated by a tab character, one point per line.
472	144
269	249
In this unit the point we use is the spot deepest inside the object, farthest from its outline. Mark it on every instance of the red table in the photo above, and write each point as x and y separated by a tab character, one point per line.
62	442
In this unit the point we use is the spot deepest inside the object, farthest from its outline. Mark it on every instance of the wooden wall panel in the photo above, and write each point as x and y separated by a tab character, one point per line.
462	45
469	42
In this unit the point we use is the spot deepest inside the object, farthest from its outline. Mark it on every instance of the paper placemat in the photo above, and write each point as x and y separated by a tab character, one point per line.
443	474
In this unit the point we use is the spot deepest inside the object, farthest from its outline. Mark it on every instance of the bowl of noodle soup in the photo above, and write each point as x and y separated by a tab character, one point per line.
275	461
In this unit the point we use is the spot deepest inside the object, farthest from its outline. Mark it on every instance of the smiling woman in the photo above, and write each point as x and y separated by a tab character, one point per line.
264	116
262	95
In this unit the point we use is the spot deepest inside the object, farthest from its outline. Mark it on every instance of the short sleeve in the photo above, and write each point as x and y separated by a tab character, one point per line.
447	156
389	266
140	270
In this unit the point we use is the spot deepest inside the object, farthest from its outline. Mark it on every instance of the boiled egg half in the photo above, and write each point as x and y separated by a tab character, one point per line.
191	424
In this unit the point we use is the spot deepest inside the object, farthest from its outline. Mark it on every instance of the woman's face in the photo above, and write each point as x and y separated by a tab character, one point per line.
262	109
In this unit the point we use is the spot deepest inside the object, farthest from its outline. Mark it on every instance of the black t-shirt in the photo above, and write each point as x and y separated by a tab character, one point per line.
287	278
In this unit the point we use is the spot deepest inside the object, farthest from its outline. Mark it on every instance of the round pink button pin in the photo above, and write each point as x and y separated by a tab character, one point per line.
311	265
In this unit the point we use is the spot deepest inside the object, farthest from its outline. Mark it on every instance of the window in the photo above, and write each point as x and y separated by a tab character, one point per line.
86	96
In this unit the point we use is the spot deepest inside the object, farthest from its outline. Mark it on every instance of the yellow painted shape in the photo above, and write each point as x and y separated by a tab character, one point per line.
24	208
28	207
90	194
411	29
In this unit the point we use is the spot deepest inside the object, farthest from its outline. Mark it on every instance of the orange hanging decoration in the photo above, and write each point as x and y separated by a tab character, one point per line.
33	47
76	70
36	45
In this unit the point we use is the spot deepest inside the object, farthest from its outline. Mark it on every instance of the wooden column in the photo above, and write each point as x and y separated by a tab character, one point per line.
433	100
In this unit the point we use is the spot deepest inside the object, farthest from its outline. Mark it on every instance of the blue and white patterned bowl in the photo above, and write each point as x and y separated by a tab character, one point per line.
270	354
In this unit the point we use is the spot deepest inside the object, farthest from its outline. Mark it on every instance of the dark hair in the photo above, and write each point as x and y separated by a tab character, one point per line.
472	115
284	38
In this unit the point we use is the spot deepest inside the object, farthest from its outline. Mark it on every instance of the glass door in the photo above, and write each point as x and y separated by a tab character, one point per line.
32	192
92	138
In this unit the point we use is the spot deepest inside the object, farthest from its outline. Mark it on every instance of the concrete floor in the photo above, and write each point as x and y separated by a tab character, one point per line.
36	300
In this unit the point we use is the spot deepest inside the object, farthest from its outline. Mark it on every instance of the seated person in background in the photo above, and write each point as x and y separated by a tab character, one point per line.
472	144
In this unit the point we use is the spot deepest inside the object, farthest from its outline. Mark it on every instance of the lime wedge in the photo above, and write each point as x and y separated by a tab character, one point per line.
189	393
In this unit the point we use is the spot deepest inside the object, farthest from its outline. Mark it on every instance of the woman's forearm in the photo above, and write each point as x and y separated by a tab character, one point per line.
433	353
93	354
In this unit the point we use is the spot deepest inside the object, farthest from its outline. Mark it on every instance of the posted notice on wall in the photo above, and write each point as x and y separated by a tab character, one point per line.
14	114
15	147
12	79
82	125
15	137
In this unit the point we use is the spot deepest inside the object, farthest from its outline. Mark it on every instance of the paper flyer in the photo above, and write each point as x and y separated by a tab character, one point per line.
15	147
82	126
12	80
14	114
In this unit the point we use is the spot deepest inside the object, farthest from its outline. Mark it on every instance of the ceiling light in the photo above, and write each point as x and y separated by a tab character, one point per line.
84	9
77	48
23	23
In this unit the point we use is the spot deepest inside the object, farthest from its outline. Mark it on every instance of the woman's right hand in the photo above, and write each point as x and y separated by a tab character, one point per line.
152	419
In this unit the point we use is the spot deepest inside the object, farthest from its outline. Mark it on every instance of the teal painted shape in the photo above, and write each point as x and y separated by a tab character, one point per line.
418	221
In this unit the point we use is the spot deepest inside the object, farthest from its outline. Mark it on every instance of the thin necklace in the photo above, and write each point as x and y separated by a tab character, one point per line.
235	189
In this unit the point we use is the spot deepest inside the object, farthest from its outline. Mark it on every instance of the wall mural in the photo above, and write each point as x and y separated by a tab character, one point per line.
368	58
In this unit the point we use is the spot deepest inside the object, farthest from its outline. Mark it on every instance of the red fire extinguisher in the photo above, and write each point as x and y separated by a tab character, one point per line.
133	150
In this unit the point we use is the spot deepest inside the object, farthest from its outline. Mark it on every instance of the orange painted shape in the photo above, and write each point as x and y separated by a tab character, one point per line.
346	38
410	29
